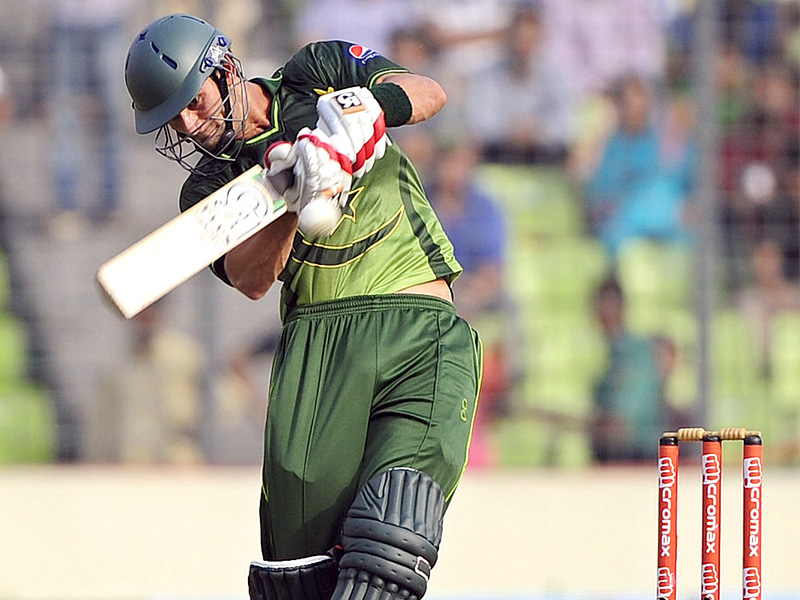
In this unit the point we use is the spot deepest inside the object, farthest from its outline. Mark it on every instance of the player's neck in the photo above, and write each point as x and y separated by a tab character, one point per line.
258	117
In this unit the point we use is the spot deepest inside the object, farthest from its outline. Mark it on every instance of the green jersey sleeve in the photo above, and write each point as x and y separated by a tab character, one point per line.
323	67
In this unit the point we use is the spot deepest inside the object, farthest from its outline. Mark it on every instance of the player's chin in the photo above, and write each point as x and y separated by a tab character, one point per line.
211	144
209	138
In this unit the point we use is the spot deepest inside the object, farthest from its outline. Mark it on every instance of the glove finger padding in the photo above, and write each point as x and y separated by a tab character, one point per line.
354	120
279	161
323	177
320	169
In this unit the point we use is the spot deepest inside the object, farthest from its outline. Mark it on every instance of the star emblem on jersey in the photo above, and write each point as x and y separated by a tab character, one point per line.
349	209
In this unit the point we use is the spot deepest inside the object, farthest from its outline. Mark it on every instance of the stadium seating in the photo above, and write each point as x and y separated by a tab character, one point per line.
541	201
737	384
784	384
656	277
27	421
553	271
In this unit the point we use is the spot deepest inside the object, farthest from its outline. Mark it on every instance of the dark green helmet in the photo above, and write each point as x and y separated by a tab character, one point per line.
167	64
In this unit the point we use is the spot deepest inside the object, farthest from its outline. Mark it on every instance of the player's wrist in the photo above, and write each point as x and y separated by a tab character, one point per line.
395	103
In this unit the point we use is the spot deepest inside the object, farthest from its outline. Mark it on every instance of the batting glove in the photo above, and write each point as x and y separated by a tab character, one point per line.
279	161
307	169
320	169
354	120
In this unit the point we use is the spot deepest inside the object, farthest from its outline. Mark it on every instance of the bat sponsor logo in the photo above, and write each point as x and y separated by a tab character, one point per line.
233	214
361	53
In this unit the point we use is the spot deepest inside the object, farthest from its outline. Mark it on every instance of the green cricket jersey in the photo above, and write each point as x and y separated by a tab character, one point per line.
389	237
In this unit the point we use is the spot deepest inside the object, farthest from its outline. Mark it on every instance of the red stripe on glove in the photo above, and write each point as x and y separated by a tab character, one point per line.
368	149
272	146
342	159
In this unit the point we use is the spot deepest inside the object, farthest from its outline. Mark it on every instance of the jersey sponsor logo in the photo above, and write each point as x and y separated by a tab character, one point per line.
361	53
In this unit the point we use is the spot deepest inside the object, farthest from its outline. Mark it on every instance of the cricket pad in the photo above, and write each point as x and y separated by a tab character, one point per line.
391	538
310	578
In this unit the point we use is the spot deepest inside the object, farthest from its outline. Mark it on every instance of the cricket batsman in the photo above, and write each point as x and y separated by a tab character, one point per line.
375	380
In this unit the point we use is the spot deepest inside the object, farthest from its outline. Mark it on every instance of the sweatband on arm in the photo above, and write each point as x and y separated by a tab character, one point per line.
394	102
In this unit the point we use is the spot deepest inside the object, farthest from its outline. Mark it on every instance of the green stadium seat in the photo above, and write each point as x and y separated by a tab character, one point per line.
560	274
566	355
5	282
657	275
680	326
785	358
784	390
27	424
519	442
13	347
523	442
539	200
737	387
563	355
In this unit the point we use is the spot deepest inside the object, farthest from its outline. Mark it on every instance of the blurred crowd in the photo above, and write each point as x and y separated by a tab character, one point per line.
565	169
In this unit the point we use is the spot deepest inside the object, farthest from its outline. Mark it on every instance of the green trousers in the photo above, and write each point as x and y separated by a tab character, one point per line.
359	386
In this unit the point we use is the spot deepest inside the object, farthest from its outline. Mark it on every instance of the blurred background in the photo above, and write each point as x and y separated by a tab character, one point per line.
620	179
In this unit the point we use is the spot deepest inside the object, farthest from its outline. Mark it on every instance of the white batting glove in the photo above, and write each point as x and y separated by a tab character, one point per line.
354	121
279	161
323	177
320	170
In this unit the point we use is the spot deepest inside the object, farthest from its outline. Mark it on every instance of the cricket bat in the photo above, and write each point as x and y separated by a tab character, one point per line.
185	245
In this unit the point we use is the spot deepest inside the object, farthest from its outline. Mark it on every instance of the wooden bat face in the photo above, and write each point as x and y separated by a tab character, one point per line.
182	247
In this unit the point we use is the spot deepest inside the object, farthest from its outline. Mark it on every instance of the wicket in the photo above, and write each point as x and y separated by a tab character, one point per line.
711	470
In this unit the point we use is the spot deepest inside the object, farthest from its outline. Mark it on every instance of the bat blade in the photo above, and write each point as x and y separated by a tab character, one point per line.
185	245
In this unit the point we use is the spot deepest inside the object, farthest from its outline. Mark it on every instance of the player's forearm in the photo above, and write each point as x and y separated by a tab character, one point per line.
254	265
427	97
